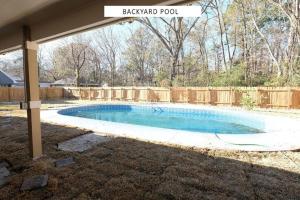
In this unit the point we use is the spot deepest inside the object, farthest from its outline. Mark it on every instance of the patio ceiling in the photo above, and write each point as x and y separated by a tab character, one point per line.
50	19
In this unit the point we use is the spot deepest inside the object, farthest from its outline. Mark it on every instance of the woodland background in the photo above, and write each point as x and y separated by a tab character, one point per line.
233	43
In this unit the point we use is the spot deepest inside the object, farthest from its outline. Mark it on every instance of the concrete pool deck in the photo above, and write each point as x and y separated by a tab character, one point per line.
281	133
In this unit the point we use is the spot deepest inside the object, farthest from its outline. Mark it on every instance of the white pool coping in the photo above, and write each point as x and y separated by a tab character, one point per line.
281	133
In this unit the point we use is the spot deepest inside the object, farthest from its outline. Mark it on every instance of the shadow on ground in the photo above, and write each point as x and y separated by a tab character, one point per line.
130	169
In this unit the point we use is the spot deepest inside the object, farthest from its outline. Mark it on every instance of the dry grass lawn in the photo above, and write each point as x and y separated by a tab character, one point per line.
130	169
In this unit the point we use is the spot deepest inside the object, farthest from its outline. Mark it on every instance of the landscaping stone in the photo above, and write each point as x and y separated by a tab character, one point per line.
4	172
4	164
64	162
34	182
82	143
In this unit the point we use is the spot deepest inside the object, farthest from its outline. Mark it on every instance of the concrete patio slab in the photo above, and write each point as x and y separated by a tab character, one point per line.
82	143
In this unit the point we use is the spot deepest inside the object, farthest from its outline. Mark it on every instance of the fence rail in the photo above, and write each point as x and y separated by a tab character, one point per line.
266	97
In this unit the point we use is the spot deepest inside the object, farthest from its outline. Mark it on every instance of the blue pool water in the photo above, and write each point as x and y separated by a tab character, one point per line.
196	120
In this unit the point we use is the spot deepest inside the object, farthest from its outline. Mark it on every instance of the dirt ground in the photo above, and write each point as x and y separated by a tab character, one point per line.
130	169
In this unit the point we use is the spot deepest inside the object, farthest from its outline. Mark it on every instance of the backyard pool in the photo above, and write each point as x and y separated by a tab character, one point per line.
184	125
195	120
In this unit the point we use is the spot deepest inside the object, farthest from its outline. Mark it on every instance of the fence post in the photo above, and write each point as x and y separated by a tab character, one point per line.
211	101
63	93
187	95
90	93
8	92
148	95
47	96
258	97
79	93
170	95
133	94
231	96
290	98
121	97
109	91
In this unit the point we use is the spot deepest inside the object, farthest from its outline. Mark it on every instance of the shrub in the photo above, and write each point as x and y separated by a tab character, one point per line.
233	77
247	101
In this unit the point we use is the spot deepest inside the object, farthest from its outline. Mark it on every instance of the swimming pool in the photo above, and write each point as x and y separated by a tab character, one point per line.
195	120
183	124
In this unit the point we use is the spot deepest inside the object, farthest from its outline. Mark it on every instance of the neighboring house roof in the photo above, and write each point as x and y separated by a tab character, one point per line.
5	79
66	81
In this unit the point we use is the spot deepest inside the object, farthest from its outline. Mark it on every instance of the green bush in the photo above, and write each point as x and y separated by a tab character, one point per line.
233	77
248	102
276	82
162	79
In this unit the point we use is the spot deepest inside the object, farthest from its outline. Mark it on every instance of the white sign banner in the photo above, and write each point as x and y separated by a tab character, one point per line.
152	11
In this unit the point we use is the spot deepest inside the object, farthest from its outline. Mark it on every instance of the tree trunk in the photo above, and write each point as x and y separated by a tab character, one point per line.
174	66
279	71
77	78
221	33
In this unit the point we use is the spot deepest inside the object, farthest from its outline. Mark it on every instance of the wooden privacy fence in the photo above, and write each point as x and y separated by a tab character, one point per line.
266	97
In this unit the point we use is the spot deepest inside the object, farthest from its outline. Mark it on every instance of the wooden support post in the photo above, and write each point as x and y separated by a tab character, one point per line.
31	77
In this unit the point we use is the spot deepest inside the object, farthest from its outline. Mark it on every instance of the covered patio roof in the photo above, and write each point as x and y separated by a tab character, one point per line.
50	19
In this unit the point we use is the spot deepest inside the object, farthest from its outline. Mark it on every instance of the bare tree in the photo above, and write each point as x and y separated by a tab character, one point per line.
139	56
98	70
291	9
73	56
108	47
172	38
223	33
267	45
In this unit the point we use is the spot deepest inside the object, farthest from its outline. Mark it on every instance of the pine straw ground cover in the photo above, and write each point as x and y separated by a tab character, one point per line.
130	169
